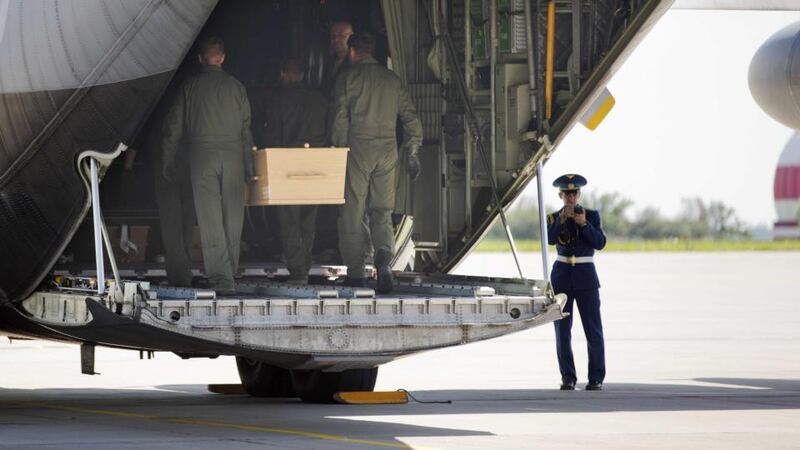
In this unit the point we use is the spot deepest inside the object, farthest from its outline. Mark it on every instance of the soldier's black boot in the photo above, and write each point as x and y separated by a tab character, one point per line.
383	260
594	386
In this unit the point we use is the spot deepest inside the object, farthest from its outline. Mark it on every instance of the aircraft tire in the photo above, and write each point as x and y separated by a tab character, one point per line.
316	386
263	380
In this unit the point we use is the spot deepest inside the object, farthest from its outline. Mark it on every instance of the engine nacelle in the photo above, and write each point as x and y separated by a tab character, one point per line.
774	76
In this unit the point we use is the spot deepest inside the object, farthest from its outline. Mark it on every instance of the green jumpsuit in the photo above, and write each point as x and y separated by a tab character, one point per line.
297	115
368	98
212	115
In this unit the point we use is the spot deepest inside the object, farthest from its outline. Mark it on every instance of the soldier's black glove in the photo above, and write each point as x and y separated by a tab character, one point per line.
413	164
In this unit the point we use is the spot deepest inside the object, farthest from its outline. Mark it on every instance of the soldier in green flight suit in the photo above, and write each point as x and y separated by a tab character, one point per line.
211	114
297	115
367	101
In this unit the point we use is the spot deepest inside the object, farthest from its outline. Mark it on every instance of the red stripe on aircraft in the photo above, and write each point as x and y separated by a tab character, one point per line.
787	183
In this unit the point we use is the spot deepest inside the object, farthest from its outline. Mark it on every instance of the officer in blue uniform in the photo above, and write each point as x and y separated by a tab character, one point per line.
576	232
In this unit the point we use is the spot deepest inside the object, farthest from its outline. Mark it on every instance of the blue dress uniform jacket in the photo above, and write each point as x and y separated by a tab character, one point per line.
571	239
580	284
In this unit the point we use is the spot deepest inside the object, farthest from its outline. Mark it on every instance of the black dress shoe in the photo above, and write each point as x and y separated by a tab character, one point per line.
568	386
594	386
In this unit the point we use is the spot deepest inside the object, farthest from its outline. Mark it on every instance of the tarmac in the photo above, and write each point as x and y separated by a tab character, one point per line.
703	351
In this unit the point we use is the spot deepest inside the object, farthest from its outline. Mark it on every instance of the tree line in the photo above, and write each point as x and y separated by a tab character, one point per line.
697	219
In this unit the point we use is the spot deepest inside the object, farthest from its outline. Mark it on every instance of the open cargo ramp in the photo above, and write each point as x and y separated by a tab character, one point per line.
310	327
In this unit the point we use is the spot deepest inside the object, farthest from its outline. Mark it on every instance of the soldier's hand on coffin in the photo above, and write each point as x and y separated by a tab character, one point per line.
413	167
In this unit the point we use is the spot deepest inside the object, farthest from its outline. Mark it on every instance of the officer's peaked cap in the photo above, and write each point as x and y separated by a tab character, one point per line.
569	182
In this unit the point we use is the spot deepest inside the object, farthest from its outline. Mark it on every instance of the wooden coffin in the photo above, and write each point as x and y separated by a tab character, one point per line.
298	176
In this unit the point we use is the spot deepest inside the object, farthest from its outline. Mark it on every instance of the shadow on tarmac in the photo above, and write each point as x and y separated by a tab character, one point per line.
191	406
695	394
190	410
700	394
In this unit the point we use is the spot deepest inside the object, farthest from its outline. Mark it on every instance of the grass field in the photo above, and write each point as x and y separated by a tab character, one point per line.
659	246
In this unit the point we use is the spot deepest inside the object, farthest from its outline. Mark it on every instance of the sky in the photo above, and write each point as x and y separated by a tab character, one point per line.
684	123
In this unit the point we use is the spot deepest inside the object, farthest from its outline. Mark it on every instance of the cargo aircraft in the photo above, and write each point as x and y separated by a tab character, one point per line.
497	84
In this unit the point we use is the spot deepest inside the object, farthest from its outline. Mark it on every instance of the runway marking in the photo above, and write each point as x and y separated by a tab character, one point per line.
228	425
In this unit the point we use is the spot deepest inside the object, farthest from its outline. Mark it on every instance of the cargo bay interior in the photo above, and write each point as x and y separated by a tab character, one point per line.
444	213
258	35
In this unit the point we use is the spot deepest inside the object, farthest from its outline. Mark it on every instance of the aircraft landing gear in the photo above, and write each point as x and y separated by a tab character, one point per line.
316	386
263	380
260	379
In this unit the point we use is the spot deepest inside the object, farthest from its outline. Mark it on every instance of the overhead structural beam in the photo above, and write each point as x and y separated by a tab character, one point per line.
761	5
